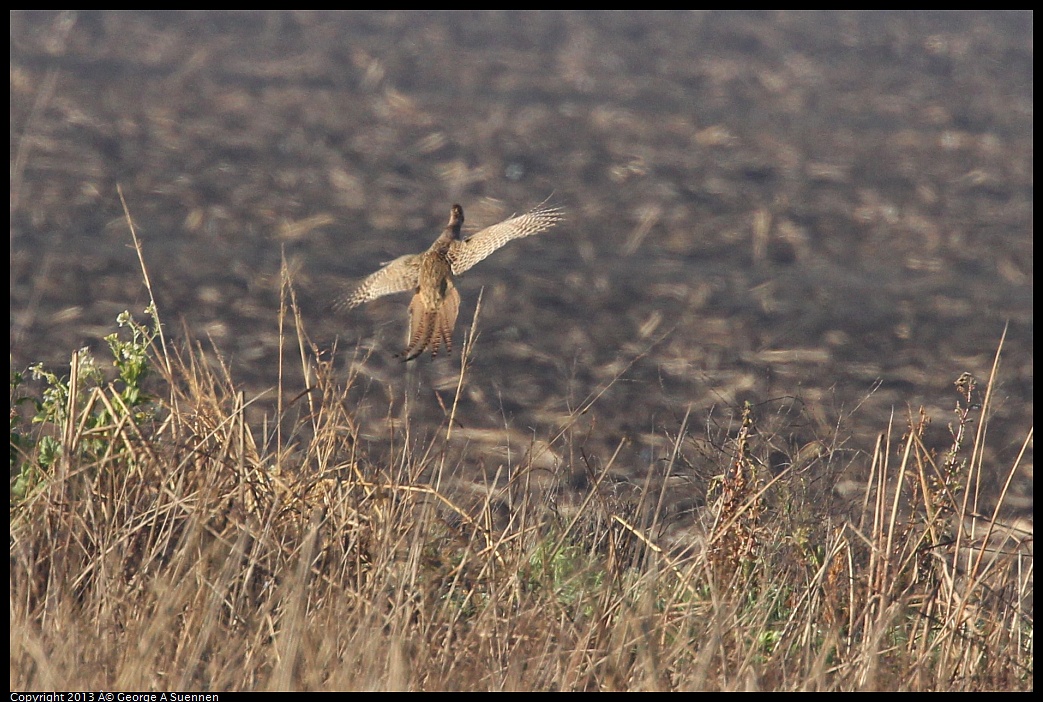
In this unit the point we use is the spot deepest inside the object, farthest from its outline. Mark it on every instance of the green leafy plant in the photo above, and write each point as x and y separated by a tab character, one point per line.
75	412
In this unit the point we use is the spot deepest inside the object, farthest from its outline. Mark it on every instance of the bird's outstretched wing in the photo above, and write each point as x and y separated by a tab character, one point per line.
397	276
465	254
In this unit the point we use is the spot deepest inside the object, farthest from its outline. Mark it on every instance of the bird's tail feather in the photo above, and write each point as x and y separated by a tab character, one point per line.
432	328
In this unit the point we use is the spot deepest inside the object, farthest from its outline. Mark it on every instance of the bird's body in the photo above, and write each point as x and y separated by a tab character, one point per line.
431	275
432	311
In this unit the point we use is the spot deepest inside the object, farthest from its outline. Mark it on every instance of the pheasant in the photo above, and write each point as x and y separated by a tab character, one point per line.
431	275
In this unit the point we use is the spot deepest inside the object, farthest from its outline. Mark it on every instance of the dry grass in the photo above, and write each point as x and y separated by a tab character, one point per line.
162	543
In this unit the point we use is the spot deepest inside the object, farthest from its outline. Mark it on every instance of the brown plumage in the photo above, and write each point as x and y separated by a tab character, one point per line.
432	275
432	311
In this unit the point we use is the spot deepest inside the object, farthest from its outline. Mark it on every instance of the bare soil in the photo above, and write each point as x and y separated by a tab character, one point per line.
826	214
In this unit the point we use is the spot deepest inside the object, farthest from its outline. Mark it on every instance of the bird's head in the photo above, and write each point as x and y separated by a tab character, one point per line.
456	216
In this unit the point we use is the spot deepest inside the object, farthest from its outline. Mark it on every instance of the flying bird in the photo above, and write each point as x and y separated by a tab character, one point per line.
431	275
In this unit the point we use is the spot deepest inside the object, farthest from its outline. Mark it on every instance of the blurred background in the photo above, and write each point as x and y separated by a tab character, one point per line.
828	215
